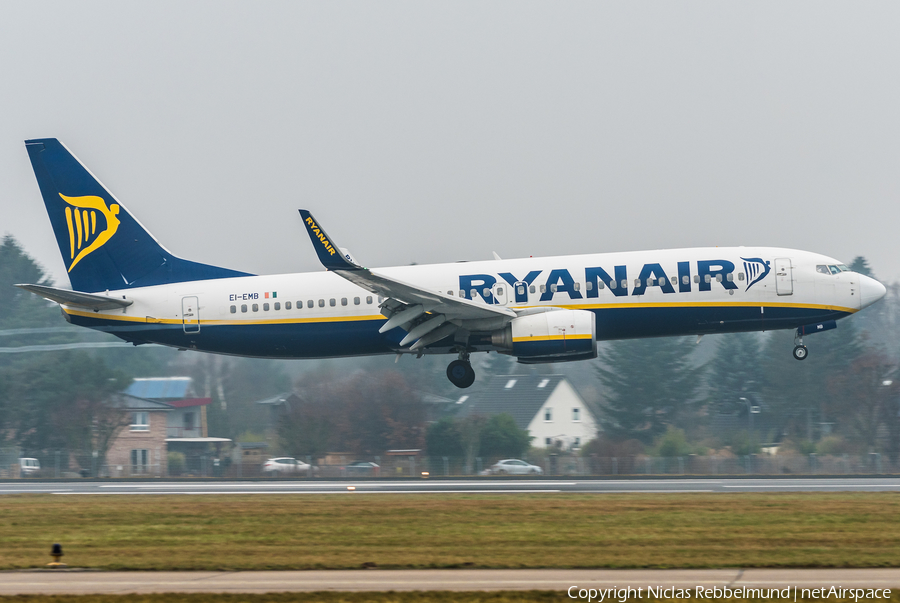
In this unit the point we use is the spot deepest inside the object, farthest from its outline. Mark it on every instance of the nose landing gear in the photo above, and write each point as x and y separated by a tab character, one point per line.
460	371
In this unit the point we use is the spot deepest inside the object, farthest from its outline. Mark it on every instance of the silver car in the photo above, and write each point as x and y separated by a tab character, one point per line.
284	465
515	467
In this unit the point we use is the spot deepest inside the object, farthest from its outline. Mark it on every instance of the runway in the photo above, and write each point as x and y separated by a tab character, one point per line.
448	486
68	582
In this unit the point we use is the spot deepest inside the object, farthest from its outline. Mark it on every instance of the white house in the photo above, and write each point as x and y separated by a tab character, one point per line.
546	405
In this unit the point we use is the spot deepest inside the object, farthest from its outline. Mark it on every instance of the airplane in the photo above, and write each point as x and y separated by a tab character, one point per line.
540	310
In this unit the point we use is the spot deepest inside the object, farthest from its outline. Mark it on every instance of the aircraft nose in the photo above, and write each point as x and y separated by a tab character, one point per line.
870	291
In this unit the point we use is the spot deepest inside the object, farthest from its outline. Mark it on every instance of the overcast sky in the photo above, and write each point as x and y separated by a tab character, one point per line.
432	132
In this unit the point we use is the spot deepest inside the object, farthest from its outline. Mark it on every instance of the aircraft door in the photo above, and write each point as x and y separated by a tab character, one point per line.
500	293
520	291
784	281
190	314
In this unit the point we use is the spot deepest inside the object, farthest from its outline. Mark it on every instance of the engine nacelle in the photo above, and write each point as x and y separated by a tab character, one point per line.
555	336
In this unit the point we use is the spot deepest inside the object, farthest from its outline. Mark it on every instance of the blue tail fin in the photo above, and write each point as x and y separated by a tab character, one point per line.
102	245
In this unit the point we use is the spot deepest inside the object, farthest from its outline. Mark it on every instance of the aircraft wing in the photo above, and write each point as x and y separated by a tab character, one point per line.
427	315
77	298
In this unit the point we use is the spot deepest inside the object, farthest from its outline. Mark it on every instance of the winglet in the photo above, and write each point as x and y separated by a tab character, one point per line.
329	254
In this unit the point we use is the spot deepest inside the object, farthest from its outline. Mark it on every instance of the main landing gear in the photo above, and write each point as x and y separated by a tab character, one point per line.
800	351
460	372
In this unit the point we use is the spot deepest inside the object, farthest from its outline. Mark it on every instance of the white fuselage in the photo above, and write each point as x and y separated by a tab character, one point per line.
632	294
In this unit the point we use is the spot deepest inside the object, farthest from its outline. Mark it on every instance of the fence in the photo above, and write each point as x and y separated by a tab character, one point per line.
72	464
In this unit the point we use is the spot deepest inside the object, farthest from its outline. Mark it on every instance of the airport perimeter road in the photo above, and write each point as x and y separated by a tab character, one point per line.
67	582
471	486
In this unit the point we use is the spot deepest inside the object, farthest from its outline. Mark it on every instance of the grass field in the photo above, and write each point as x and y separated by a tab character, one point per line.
442	531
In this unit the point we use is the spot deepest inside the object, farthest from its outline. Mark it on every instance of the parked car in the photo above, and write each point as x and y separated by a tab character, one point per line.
286	465
29	467
362	468
513	467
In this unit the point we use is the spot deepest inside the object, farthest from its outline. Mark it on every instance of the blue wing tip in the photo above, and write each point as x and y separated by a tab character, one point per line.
328	253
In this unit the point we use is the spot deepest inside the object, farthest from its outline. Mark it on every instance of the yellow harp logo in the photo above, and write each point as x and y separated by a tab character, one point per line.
81	218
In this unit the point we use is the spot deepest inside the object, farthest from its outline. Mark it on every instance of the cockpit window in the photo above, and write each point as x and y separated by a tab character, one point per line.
822	269
843	268
834	269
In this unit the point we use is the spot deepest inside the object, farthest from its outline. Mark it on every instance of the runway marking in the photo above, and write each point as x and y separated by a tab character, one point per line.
206	492
412	484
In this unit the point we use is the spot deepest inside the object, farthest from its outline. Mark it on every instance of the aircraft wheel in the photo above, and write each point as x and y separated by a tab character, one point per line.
800	352
461	374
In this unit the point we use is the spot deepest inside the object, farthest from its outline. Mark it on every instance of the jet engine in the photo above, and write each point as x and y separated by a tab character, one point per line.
554	336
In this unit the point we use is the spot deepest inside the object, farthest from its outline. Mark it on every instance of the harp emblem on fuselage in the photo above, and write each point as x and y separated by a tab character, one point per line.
82	215
757	269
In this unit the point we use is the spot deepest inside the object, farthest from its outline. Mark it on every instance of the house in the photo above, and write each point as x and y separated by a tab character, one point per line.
546	405
139	448
186	424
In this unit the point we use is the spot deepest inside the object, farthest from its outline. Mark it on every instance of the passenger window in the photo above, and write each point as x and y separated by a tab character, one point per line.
612	284
624	284
708	278
450	293
266	307
462	293
278	305
486	291
637	282
552	288
243	307
600	284
256	307
823	269
369	299
321	303
697	278
332	302
234	309
589	286
543	288
578	286
343	301
650	282
730	277
686	279
473	294
740	276
674	280
499	290
531	288
355	301
520	290
287	305
310	303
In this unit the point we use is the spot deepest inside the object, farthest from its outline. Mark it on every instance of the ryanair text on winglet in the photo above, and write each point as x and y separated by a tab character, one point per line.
315	228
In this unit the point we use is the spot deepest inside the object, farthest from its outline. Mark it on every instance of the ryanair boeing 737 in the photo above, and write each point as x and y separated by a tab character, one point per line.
539	310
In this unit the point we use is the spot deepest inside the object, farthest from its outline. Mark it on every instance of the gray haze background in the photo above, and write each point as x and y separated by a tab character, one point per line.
435	132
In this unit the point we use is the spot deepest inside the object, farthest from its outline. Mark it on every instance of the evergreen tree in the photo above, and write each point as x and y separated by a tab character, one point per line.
501	437
650	384
799	393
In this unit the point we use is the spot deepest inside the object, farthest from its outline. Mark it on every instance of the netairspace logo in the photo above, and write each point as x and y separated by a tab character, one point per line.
790	593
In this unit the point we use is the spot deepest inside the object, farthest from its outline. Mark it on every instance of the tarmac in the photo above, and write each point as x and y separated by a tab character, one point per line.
74	581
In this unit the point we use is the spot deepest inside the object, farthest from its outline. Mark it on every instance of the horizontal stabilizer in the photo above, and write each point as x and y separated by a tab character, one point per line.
75	298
